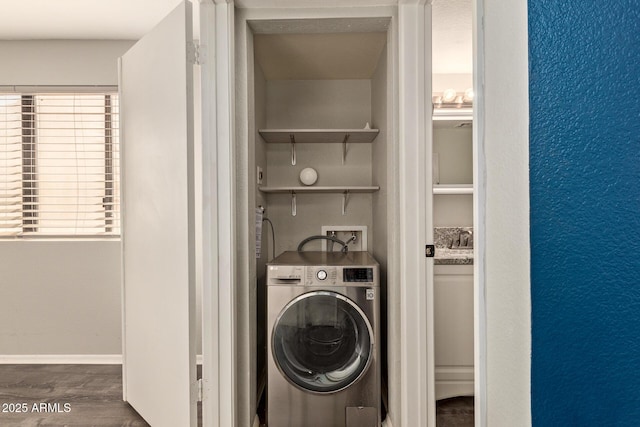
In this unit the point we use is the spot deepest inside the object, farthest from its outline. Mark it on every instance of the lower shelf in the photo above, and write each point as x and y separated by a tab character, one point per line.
320	189
344	190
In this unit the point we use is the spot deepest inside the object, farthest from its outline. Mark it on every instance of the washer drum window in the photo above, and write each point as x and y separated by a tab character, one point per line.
322	342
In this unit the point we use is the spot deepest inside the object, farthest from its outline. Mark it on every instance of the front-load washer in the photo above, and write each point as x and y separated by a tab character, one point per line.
323	340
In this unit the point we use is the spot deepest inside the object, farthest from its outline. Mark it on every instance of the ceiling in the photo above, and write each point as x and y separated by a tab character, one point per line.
452	22
81	19
130	19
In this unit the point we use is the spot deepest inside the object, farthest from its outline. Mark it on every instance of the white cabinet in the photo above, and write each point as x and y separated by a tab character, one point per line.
453	284
453	293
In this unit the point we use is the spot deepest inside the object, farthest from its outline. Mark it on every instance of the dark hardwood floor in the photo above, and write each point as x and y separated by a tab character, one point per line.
91	396
455	412
64	395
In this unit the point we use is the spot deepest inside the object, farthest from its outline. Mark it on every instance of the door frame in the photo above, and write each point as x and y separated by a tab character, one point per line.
501	214
417	357
218	221
413	367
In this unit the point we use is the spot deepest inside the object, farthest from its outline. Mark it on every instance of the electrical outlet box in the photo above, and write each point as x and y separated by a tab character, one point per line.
346	234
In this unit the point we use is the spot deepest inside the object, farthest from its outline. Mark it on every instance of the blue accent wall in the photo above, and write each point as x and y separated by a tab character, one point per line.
584	69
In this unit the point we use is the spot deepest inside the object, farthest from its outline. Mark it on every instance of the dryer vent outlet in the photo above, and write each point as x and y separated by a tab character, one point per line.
355	236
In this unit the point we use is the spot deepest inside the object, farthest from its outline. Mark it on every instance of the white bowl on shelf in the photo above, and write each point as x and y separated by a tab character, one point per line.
308	176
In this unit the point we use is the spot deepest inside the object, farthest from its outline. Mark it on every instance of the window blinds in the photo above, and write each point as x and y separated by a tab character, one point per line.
59	164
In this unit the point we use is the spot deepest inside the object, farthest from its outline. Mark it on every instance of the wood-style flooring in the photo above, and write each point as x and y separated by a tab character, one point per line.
91	396
455	412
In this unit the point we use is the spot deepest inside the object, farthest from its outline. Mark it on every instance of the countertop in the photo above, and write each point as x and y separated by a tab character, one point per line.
448	251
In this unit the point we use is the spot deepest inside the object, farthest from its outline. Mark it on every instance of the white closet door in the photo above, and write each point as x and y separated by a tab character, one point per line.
156	81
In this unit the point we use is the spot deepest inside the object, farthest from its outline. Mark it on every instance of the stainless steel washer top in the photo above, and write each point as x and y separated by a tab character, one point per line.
324	258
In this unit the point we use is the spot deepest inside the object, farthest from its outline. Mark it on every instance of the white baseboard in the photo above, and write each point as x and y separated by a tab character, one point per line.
67	359
61	359
452	381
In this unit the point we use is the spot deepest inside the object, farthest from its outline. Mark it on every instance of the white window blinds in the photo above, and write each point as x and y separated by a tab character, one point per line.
59	165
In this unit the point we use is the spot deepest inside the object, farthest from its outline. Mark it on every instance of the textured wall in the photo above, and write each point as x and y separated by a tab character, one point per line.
585	212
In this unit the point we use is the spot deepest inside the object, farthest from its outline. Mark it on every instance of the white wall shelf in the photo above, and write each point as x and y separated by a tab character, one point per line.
452	114
452	118
318	136
345	190
453	189
320	189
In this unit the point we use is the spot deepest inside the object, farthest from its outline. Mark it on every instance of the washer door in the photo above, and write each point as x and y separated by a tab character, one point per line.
322	342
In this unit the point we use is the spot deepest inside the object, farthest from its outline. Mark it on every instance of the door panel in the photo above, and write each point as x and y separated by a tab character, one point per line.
158	224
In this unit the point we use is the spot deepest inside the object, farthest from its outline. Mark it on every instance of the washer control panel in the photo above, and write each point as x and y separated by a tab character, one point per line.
323	275
338	275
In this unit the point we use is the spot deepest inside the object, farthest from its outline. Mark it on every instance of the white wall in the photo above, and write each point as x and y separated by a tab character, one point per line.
61	62
317	104
460	82
60	297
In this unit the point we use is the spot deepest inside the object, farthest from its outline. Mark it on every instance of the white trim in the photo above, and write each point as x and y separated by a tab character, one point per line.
61	359
501	215
218	222
122	237
322	15
450	373
58	88
454	381
416	306
479	209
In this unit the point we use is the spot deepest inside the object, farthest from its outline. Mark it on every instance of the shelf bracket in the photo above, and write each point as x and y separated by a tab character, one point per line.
345	199
294	206
344	148
293	149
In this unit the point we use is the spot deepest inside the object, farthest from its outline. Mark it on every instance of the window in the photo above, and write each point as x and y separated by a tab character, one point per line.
59	165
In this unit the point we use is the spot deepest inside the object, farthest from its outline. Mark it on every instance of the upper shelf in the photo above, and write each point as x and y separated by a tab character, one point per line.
321	136
452	118
449	114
